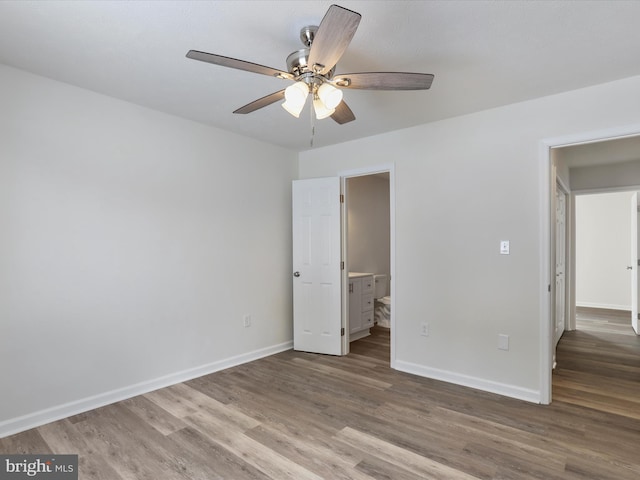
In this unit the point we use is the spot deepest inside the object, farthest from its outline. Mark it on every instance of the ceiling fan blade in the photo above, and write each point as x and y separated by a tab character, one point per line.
343	114
332	38
261	102
239	64
384	80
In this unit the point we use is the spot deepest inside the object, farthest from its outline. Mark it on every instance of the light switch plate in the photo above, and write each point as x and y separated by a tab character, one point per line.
503	342
504	247
424	329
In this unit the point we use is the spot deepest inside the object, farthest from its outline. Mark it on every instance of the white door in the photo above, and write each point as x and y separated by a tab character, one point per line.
317	304
634	262
561	236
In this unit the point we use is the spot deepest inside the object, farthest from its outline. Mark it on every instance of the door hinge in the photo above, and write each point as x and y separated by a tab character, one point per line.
549	288
342	332
341	198
341	265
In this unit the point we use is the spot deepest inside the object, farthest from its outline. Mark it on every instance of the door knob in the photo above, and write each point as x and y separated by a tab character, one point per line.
629	268
296	274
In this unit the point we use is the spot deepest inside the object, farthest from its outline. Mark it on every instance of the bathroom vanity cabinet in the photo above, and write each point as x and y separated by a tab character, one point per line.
361	289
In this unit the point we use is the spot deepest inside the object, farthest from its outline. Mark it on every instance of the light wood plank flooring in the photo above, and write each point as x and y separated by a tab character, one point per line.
303	416
604	321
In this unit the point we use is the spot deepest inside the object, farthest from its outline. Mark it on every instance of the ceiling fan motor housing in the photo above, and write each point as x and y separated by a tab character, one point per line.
297	62
297	65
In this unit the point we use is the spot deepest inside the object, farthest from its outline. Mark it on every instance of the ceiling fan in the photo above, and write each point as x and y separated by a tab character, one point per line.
313	70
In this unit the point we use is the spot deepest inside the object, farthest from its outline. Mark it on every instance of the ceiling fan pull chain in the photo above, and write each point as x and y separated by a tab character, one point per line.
313	126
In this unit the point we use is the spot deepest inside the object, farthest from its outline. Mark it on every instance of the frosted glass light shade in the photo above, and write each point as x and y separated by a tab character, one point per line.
296	94
321	110
293	109
330	95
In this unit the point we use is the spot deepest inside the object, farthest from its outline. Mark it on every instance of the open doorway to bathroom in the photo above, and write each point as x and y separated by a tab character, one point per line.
368	246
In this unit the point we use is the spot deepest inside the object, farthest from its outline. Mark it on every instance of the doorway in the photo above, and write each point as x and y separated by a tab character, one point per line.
368	253
602	160
321	261
605	246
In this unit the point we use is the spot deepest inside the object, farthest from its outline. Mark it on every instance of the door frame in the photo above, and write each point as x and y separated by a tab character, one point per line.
547	182
634	261
360	172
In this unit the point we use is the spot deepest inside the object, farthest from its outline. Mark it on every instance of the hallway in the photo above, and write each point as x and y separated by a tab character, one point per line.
599	364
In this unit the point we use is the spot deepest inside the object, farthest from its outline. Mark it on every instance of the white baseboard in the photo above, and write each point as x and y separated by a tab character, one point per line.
468	381
58	412
358	335
604	306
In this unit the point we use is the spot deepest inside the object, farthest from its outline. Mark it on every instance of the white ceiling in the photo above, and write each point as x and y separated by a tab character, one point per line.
483	54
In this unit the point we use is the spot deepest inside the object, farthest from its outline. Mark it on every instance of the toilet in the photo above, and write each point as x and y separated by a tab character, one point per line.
382	301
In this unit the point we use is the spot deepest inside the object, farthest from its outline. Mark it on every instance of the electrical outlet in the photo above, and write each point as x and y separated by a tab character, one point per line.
503	342
424	329
246	321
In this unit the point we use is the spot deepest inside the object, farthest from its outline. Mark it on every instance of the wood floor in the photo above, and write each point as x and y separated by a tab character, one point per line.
303	416
599	364
604	321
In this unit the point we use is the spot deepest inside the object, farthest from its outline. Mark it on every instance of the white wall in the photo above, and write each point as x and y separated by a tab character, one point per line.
368	216
462	185
603	246
616	175
132	244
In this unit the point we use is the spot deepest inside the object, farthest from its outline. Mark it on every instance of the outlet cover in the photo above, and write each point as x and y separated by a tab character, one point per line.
503	342
246	320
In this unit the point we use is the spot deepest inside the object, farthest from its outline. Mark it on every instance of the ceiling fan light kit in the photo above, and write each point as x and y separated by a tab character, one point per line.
312	69
325	98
